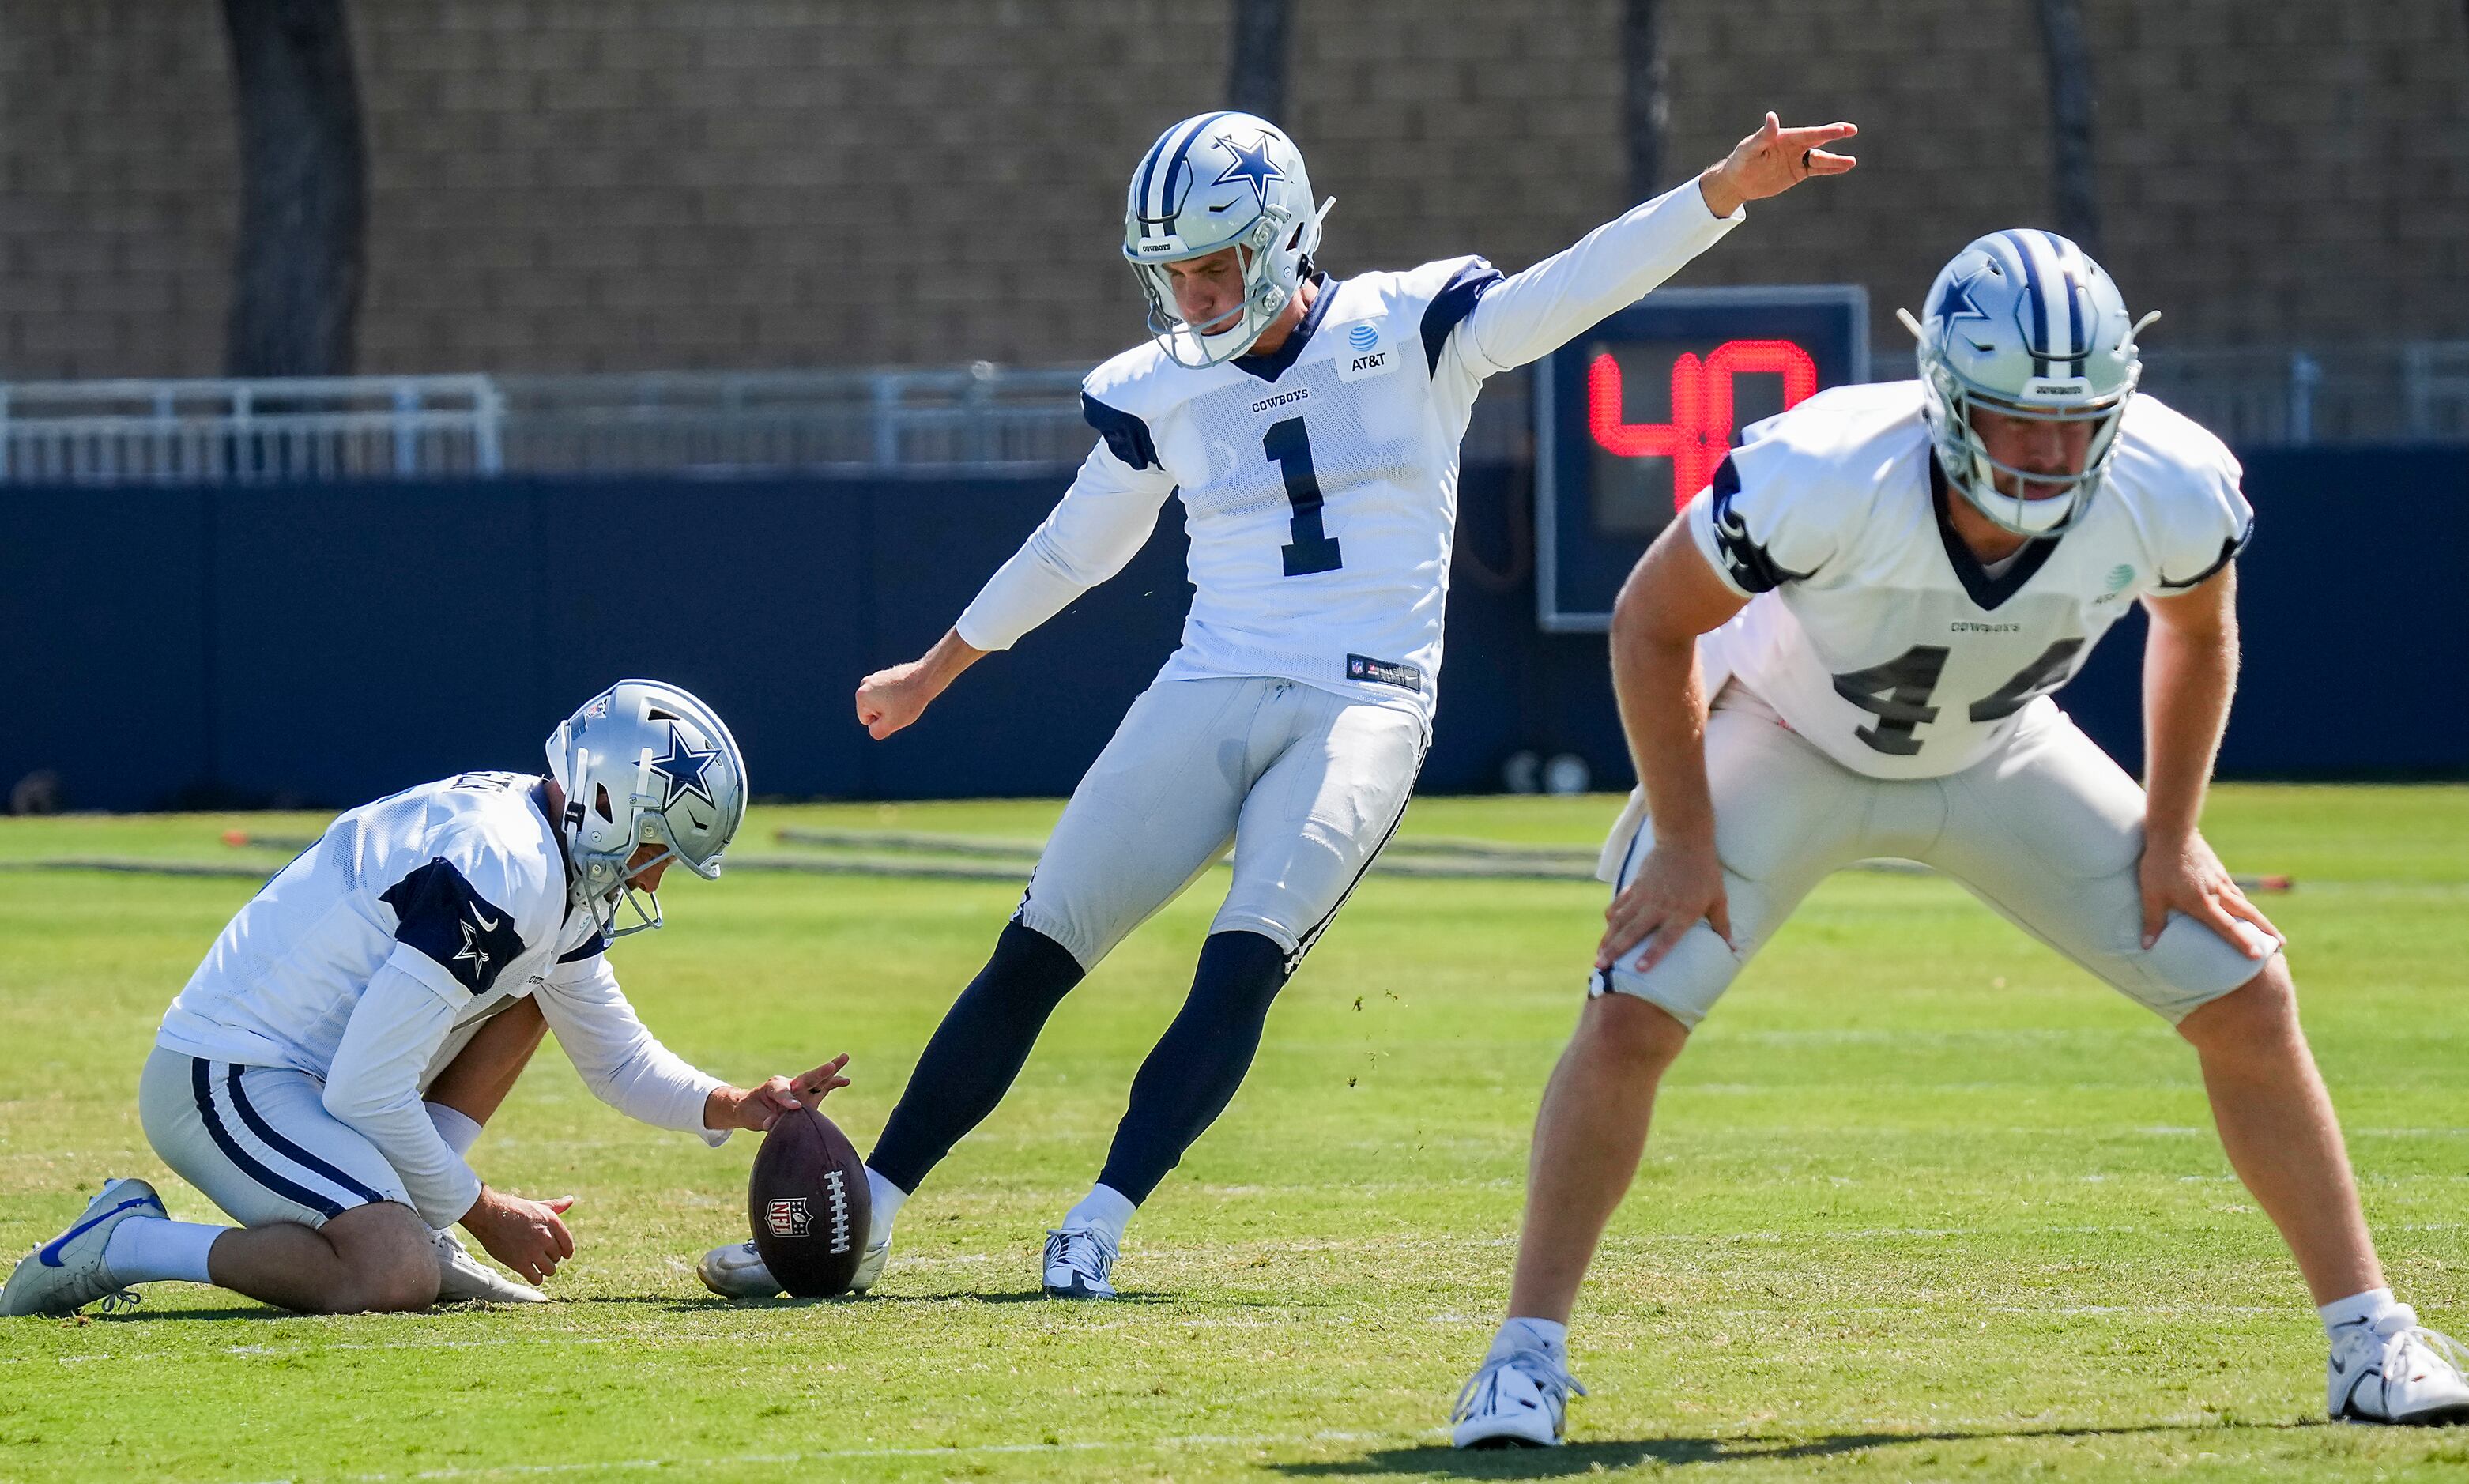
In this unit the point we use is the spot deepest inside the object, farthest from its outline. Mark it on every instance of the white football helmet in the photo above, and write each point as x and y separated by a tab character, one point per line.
643	762
2025	323
1213	181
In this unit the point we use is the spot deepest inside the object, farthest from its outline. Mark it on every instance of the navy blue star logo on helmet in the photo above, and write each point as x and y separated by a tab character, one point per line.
1956	302
683	771
1252	167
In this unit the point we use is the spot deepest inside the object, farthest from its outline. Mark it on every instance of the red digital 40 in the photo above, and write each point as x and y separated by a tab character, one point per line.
1700	429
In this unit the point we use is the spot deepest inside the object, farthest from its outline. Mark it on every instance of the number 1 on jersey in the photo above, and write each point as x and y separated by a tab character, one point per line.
1313	549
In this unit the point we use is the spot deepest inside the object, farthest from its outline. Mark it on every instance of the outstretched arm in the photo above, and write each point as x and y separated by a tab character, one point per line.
1100	523
1530	315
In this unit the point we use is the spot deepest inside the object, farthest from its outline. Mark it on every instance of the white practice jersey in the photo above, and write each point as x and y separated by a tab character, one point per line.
1319	483
1873	630
459	883
368	959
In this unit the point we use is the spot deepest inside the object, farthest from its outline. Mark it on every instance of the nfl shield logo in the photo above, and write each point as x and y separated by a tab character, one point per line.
788	1217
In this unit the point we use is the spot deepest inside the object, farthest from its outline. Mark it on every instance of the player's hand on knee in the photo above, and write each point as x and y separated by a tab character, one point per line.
528	1236
1771	161
1676	889
2188	876
758	1108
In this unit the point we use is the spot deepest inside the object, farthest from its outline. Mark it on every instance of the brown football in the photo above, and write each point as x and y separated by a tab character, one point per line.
808	1201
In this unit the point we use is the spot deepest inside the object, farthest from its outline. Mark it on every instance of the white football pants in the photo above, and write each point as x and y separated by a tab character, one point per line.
2047	831
1305	784
258	1140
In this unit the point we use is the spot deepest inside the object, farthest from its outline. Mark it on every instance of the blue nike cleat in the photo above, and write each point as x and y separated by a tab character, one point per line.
66	1273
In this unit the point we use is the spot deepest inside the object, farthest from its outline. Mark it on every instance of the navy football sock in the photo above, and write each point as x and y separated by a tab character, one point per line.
976	1052
1192	1076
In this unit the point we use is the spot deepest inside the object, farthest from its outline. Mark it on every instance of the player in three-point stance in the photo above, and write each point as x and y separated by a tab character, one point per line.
1311	427
331	1061
1889	580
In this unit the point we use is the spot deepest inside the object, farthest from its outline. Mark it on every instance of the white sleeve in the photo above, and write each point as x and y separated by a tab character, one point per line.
2206	530
374	1085
1101	522
1528	315
617	1056
1765	535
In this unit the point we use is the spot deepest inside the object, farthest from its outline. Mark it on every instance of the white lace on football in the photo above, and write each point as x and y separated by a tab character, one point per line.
1550	1376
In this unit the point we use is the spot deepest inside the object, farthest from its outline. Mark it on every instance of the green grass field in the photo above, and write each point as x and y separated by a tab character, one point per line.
1924	1200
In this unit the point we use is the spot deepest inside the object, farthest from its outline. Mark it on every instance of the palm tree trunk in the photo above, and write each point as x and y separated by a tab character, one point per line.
297	269
1644	96
2074	174
1256	74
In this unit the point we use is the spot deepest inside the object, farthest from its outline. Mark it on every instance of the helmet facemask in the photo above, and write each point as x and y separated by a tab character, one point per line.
1238	329
1973	471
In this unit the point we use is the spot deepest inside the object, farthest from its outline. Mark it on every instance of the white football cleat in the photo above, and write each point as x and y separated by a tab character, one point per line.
66	1273
462	1278
1517	1400
2395	1371
1079	1262
869	1265
737	1271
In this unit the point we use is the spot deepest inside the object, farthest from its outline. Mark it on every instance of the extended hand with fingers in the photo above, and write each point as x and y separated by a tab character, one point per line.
1773	161
757	1109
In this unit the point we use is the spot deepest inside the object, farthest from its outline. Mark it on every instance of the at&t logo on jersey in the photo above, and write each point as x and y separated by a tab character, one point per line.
787	1217
1364	351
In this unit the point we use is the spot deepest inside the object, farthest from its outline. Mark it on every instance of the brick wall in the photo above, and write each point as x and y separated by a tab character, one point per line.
617	184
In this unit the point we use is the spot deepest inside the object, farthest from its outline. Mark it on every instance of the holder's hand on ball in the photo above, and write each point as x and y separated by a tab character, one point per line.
758	1108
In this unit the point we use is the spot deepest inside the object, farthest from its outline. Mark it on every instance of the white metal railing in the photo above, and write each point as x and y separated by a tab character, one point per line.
976	417
2268	394
980	414
222	431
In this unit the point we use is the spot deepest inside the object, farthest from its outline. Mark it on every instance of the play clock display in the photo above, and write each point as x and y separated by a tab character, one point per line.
1631	418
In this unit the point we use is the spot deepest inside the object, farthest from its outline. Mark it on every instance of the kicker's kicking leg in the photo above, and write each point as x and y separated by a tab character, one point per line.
1187	1079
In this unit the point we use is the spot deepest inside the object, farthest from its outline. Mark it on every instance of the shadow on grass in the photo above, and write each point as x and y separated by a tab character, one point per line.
1579	1458
836	1300
648	1303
